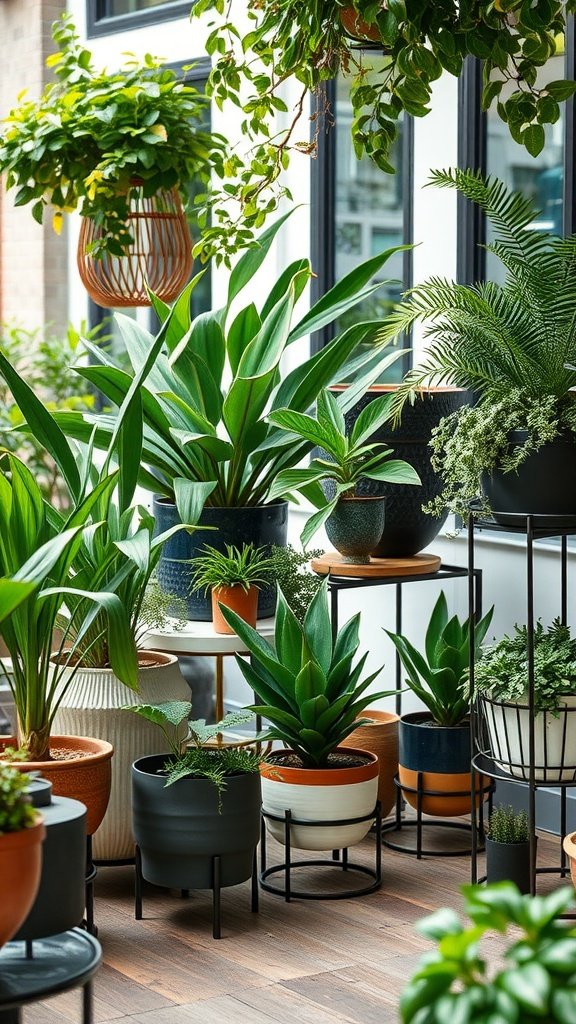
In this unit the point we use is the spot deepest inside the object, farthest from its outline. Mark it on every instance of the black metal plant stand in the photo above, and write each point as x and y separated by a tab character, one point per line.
339	859
216	891
31	971
512	753
419	823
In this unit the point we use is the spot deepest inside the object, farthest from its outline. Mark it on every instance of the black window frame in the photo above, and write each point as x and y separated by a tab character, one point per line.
98	23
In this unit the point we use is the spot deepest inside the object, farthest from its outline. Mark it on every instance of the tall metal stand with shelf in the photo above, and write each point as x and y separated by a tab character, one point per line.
508	755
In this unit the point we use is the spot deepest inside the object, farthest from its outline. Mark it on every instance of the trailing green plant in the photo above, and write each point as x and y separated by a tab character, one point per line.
440	677
306	43
160	606
502	671
198	761
505	825
350	458
235	567
16	810
291	572
201	390
534	982
92	133
310	692
509	343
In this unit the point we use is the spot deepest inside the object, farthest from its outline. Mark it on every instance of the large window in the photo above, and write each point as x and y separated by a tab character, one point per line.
105	16
358	211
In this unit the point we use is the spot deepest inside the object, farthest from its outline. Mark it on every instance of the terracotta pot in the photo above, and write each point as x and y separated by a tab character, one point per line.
380	737
20	867
446	805
243	602
320	794
569	844
92	706
357	28
86	778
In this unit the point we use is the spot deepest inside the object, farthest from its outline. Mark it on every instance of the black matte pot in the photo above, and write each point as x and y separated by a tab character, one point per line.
407	528
180	828
543	485
508	862
260	525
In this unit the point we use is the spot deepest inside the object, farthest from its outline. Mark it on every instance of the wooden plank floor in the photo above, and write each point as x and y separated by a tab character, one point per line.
305	962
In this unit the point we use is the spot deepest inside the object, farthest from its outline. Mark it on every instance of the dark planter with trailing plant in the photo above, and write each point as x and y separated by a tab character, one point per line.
260	525
407	529
543	485
180	828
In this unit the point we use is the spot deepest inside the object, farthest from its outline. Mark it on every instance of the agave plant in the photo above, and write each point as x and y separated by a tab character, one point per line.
440	678
309	690
509	343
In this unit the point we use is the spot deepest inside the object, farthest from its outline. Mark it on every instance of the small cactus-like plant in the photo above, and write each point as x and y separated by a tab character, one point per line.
507	825
16	810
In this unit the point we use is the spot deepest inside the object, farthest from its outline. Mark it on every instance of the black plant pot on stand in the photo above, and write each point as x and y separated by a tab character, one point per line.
407	529
260	525
508	862
544	484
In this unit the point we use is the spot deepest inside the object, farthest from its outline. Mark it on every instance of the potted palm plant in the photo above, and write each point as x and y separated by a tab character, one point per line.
508	847
22	832
509	343
233	578
435	744
313	696
354	523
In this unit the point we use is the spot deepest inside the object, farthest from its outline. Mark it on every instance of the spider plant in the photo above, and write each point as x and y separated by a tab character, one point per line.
236	567
509	343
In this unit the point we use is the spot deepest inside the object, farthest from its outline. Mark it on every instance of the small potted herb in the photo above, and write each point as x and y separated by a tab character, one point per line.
436	742
22	832
354	524
508	847
232	576
501	680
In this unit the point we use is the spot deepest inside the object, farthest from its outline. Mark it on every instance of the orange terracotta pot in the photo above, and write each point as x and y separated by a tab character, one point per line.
243	602
443	806
569	844
86	778
357	28
380	737
20	870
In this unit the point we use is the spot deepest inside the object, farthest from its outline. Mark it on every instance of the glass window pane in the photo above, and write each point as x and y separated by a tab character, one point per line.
115	8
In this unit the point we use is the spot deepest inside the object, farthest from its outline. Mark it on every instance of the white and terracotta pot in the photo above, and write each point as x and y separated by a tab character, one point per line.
320	794
92	705
508	727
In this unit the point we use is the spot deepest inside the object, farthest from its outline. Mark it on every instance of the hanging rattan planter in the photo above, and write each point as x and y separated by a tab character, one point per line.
160	258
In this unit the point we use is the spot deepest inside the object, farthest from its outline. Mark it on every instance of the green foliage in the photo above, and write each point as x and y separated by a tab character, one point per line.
158	606
535	983
93	132
306	42
243	567
310	693
507	825
350	457
440	678
16	811
201	390
509	343
292	573
502	672
199	762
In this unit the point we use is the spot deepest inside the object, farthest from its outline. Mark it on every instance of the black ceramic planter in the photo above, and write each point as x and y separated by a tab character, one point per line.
508	862
261	525
407	528
544	485
355	527
180	828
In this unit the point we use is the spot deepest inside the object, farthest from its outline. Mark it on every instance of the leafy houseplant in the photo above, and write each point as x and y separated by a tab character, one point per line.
508	343
93	133
195	806
233	579
535	981
437	742
21	834
310	44
501	680
312	696
291	570
349	459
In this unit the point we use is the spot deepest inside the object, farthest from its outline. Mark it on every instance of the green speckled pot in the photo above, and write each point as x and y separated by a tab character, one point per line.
355	528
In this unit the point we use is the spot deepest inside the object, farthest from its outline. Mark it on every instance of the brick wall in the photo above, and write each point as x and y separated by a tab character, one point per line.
33	260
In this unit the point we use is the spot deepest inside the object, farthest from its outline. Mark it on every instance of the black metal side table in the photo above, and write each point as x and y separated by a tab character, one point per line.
31	971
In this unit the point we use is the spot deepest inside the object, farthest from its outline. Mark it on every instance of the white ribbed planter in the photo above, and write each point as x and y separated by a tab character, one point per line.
508	728
91	707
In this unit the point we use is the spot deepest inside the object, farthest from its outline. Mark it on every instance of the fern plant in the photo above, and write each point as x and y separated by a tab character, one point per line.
509	343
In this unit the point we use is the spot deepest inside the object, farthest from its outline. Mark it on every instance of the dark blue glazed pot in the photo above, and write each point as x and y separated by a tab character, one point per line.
260	525
355	527
427	747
